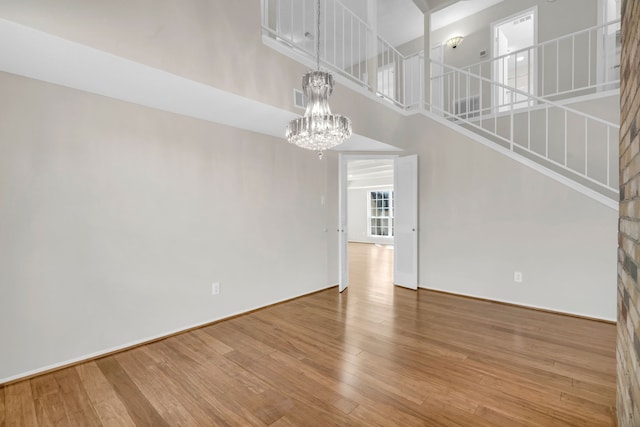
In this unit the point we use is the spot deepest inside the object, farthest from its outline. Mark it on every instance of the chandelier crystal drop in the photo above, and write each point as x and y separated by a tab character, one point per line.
318	129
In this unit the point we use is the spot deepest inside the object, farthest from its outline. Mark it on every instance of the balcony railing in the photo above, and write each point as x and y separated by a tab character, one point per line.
346	40
347	46
570	142
574	64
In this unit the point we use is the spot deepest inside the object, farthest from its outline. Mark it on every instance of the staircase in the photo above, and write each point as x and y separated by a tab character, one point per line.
532	119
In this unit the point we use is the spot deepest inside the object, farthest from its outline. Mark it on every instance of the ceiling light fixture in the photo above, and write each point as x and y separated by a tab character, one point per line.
454	42
318	129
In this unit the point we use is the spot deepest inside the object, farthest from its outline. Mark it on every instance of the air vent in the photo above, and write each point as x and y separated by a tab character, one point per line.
521	20
299	100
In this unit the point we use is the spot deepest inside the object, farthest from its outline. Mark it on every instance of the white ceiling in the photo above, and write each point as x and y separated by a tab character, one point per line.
459	10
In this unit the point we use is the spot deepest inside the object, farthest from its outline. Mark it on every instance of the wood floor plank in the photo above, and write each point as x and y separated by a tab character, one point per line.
2	407
202	387
77	404
375	354
138	407
157	387
108	406
19	406
50	408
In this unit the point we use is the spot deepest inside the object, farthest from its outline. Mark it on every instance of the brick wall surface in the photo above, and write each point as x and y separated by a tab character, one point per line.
628	346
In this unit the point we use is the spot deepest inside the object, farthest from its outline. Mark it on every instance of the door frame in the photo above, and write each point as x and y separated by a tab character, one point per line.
343	231
494	67
602	48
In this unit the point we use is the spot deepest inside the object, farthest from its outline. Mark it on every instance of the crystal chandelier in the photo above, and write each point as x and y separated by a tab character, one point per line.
318	129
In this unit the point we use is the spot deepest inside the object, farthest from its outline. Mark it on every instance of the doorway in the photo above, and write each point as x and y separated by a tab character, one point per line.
609	44
378	197
514	64
370	213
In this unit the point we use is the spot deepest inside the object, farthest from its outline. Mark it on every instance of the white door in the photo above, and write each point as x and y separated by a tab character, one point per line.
405	227
343	261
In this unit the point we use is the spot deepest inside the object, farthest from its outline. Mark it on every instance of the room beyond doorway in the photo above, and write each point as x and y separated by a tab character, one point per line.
371	269
391	212
514	64
370	203
365	205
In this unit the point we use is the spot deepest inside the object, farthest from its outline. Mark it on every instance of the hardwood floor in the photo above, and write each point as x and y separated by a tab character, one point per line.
375	355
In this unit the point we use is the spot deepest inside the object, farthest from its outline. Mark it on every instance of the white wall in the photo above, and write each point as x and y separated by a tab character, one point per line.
484	216
115	219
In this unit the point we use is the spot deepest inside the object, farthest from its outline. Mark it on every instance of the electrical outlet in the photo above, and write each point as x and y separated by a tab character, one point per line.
517	276
215	288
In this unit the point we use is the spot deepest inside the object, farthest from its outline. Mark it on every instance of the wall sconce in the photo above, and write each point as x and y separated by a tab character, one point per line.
454	42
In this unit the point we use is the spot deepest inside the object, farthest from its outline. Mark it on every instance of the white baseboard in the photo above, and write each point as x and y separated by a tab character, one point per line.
146	340
520	304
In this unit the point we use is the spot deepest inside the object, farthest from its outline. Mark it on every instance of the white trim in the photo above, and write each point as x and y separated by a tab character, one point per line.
521	304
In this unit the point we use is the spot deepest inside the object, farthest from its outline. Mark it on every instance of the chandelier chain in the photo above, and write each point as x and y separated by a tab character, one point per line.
318	35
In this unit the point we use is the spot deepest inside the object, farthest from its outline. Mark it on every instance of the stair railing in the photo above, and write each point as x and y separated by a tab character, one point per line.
567	140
